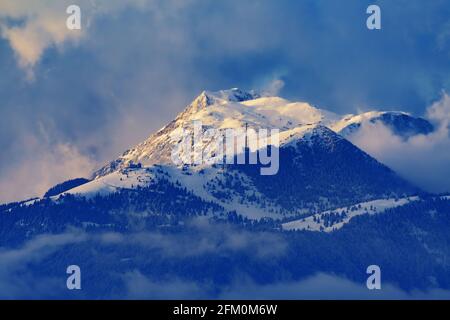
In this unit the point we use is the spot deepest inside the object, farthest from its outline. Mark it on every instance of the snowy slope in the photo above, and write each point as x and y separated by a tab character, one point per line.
195	180
317	222
122	179
301	126
227	109
237	109
319	170
199	182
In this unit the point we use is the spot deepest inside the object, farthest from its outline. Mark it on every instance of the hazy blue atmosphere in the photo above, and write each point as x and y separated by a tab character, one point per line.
350	198
72	100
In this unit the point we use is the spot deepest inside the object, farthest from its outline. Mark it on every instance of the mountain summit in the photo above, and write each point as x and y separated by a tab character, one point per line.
208	98
318	168
237	109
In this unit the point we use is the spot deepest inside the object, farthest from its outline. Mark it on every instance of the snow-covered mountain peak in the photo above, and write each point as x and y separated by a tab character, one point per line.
232	95
238	109
226	109
208	98
235	108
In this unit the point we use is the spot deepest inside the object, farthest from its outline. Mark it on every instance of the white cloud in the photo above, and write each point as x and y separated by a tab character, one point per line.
324	286
207	238
16	278
44	166
39	25
31	27
138	286
319	286
439	112
422	159
273	88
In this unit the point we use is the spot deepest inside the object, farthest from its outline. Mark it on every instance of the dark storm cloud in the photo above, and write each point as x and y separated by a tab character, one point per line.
138	63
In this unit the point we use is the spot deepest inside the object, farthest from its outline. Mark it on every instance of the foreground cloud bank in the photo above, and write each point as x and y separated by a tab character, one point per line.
20	276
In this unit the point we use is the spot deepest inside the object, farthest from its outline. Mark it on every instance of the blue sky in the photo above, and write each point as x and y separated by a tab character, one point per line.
71	100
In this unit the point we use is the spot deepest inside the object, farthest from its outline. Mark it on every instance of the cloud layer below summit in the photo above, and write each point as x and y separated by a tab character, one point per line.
19	278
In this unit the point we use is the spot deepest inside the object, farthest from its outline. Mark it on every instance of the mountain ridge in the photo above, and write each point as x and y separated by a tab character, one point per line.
235	108
319	169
